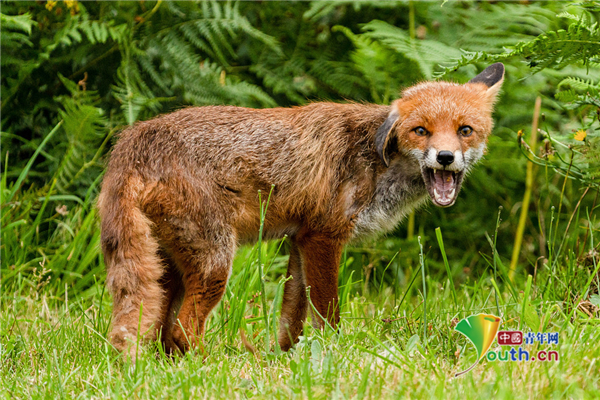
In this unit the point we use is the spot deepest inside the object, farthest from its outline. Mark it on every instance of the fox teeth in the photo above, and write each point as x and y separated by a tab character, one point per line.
436	194
435	171
451	193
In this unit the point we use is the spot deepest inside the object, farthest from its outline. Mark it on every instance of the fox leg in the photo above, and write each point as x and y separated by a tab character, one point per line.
294	305
321	256
205	271
173	288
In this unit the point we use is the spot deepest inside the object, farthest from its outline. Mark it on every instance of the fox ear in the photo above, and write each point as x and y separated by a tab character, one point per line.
492	77
382	137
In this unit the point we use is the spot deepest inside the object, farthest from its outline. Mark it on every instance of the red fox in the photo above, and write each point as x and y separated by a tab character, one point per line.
181	193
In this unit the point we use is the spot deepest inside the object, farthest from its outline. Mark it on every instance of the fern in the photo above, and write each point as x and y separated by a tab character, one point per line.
199	80
372	60
341	77
85	129
131	90
558	49
135	97
580	84
16	30
213	30
323	9
190	58
493	28
15	33
571	93
580	43
79	26
426	53
285	76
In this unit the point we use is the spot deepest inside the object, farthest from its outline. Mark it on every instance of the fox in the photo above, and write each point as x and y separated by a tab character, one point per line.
181	193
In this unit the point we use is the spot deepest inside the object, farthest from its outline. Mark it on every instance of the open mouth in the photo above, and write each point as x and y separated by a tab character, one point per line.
443	186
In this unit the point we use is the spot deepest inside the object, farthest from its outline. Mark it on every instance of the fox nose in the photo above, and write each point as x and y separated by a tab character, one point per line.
445	157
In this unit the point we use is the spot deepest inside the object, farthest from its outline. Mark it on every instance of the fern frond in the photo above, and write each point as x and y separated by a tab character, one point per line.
79	26
426	53
573	94
323	9
21	23
580	43
340	77
372	61
558	49
506	24
15	33
567	96
215	29
131	91
85	128
580	84
468	58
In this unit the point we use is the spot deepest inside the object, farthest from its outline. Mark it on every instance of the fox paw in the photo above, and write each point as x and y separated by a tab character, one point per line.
183	340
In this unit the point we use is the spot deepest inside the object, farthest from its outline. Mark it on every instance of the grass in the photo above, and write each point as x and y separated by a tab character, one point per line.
54	341
55	317
53	347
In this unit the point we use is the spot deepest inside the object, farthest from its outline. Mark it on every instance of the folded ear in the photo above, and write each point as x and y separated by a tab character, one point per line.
382	137
492	77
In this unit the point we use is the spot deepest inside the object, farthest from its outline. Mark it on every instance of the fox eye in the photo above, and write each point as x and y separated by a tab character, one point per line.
420	131
465	130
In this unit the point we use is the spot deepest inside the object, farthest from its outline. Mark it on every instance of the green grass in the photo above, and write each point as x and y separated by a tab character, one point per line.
54	347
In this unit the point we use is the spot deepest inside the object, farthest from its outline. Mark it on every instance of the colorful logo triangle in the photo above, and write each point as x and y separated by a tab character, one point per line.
481	330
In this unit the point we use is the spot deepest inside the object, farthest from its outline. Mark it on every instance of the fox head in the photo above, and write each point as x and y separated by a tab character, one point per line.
445	127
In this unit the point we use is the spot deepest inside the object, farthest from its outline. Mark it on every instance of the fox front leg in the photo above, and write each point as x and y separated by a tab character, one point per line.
321	258
294	305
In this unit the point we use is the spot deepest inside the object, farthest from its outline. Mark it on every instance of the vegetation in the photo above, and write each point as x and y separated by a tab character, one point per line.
521	242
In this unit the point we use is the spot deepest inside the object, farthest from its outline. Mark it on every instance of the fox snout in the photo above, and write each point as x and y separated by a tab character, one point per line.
444	159
443	172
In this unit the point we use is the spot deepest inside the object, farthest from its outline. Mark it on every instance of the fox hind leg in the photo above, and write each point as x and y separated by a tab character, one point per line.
173	288
206	266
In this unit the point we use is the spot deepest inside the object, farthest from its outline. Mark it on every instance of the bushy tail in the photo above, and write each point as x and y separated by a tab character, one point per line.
132	263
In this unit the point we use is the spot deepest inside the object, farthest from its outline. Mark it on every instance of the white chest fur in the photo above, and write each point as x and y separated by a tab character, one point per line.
398	191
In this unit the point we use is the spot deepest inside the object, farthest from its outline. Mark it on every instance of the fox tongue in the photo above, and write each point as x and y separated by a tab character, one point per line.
444	186
444	180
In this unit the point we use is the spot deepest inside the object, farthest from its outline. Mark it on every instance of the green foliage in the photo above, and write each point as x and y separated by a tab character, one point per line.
13	36
84	125
190	55
557	49
578	44
426	54
372	61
